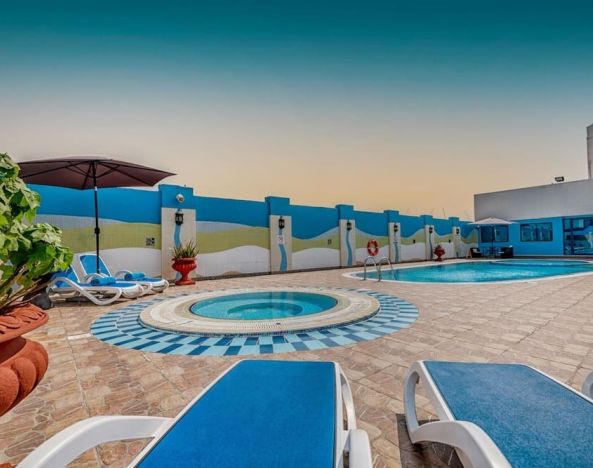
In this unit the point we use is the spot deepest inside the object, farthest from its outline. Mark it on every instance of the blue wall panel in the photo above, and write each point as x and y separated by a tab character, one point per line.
371	223
121	204
251	213
311	221
410	224
442	227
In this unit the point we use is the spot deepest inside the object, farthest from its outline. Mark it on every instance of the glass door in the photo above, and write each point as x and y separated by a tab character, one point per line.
578	236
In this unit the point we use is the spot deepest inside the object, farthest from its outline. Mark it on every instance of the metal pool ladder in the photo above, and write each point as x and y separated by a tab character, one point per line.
378	265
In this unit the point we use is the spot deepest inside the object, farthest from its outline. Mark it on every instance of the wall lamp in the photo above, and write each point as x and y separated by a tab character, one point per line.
281	223
179	217
457	231
395	228
430	229
348	225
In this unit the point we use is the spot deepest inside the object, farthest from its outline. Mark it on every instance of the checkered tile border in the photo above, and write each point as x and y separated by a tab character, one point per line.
122	328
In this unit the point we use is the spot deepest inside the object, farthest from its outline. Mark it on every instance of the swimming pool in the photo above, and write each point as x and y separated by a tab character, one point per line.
484	271
266	305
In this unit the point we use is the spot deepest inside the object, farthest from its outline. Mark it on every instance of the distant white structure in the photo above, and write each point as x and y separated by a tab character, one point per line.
590	150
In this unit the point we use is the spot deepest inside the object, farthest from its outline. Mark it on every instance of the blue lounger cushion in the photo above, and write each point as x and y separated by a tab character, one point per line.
532	419
261	414
134	276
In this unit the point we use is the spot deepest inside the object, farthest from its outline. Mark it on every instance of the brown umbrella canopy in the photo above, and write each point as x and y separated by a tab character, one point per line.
90	172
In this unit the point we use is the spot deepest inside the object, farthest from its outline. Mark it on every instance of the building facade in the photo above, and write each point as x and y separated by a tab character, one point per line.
554	219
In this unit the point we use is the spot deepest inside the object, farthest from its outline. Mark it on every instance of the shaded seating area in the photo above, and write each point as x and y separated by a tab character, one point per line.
502	415
257	413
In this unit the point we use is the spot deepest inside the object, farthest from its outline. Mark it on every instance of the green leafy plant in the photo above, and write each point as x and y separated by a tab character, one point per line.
29	253
185	250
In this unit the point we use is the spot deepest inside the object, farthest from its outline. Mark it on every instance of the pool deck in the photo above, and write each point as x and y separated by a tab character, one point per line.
547	324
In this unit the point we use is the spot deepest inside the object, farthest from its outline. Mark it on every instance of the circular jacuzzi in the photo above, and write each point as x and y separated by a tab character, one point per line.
264	305
249	311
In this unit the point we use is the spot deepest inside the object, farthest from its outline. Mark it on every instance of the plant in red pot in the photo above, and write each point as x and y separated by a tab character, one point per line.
184	262
439	252
29	254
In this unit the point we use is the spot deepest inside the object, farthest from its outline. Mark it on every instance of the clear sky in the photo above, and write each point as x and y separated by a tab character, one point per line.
410	105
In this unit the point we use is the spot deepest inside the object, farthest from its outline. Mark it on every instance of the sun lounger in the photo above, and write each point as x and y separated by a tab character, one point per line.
67	285
88	264
501	415
256	414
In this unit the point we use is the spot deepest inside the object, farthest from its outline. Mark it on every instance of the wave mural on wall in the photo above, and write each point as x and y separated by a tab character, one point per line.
412	247
362	239
469	238
319	251
123	245
231	248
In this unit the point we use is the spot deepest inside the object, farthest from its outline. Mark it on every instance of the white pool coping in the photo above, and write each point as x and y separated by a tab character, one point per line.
175	314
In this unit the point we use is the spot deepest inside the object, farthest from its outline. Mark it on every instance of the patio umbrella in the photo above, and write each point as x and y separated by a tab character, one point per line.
90	172
492	222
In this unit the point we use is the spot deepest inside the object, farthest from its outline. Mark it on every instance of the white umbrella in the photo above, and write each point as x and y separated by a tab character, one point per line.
492	222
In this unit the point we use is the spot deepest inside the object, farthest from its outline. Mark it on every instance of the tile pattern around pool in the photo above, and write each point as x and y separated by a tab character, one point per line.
121	328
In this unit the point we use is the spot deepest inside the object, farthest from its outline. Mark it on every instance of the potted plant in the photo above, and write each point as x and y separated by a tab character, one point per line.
29	254
184	261
439	251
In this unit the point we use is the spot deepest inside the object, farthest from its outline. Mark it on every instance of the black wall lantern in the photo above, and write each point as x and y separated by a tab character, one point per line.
395	228
430	229
457	231
281	223
348	225
179	217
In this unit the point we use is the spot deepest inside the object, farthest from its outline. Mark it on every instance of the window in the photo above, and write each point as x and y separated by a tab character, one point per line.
537	232
494	233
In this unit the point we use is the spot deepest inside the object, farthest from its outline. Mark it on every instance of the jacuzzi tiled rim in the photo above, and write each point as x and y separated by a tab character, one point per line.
175	314
122	328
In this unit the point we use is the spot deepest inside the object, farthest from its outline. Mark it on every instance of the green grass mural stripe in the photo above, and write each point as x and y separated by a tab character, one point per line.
416	238
322	242
113	236
211	242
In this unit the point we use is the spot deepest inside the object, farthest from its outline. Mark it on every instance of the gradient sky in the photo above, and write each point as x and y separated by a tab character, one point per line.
413	105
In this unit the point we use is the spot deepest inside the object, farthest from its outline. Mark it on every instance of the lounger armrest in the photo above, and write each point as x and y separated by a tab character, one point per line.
470	439
476	447
587	387
61	279
360	450
67	445
89	278
348	401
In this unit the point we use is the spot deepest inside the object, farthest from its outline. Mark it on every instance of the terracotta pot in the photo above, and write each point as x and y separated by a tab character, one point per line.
439	252
22	362
184	266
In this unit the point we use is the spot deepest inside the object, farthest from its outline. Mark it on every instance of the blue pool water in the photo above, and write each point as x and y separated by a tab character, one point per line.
264	305
482	272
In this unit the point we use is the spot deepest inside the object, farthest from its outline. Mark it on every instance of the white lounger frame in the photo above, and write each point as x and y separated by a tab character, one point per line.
474	447
147	286
99	295
73	441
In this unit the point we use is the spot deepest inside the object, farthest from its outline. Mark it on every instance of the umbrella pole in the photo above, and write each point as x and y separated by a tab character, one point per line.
97	229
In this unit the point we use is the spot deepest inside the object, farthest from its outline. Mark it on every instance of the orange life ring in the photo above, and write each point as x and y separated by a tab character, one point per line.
373	247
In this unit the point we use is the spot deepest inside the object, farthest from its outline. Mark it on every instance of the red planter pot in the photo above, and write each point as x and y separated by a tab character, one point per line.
439	252
22	362
184	266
